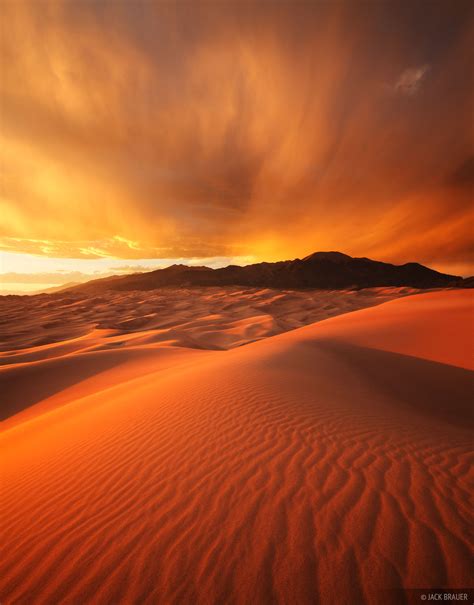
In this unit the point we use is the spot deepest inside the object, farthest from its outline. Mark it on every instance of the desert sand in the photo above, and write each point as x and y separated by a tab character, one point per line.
50	343
322	463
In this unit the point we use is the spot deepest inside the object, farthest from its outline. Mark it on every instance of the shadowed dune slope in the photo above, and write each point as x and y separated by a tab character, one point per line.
323	465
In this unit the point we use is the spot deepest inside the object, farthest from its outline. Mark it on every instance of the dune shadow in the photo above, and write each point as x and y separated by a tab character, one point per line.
26	385
432	389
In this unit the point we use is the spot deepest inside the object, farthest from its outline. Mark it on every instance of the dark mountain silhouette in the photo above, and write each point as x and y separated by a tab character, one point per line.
323	270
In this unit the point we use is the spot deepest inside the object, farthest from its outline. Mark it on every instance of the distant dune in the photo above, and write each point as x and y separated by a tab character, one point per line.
206	318
328	464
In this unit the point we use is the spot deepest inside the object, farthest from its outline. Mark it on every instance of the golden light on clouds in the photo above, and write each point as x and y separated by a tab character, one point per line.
165	130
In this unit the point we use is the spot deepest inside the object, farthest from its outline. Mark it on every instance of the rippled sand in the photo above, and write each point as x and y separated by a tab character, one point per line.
322	465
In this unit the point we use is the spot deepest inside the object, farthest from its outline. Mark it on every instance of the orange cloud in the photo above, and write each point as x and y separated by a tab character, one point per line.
159	130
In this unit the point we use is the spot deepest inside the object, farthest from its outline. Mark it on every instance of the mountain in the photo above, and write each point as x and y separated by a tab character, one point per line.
322	270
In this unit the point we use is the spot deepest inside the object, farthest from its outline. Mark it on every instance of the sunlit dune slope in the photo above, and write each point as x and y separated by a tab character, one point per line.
323	465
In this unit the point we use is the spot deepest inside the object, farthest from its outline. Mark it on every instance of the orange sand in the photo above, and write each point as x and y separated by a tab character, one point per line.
323	465
203	318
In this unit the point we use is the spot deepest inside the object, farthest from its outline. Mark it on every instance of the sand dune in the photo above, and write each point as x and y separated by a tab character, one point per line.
327	464
208	318
49	344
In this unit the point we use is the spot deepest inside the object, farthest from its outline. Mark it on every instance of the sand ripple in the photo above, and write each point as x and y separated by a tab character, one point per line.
296	470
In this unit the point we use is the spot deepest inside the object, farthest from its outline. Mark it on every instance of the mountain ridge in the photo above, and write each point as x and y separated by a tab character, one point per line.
320	270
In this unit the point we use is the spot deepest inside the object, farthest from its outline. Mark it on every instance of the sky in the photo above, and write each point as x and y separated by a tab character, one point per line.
138	134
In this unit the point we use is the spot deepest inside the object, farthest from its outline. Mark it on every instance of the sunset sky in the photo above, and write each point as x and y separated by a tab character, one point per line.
137	134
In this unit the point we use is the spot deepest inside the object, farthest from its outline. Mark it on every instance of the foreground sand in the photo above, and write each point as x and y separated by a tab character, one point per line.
323	465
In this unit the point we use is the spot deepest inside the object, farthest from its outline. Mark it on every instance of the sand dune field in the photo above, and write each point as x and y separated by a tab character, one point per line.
203	318
324	463
50	343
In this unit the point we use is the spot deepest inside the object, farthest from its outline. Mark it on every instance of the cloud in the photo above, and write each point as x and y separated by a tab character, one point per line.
62	277
89	269
113	247
410	80
463	175
191	130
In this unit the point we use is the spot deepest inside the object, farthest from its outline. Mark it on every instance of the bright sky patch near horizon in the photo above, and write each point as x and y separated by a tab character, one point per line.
141	134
